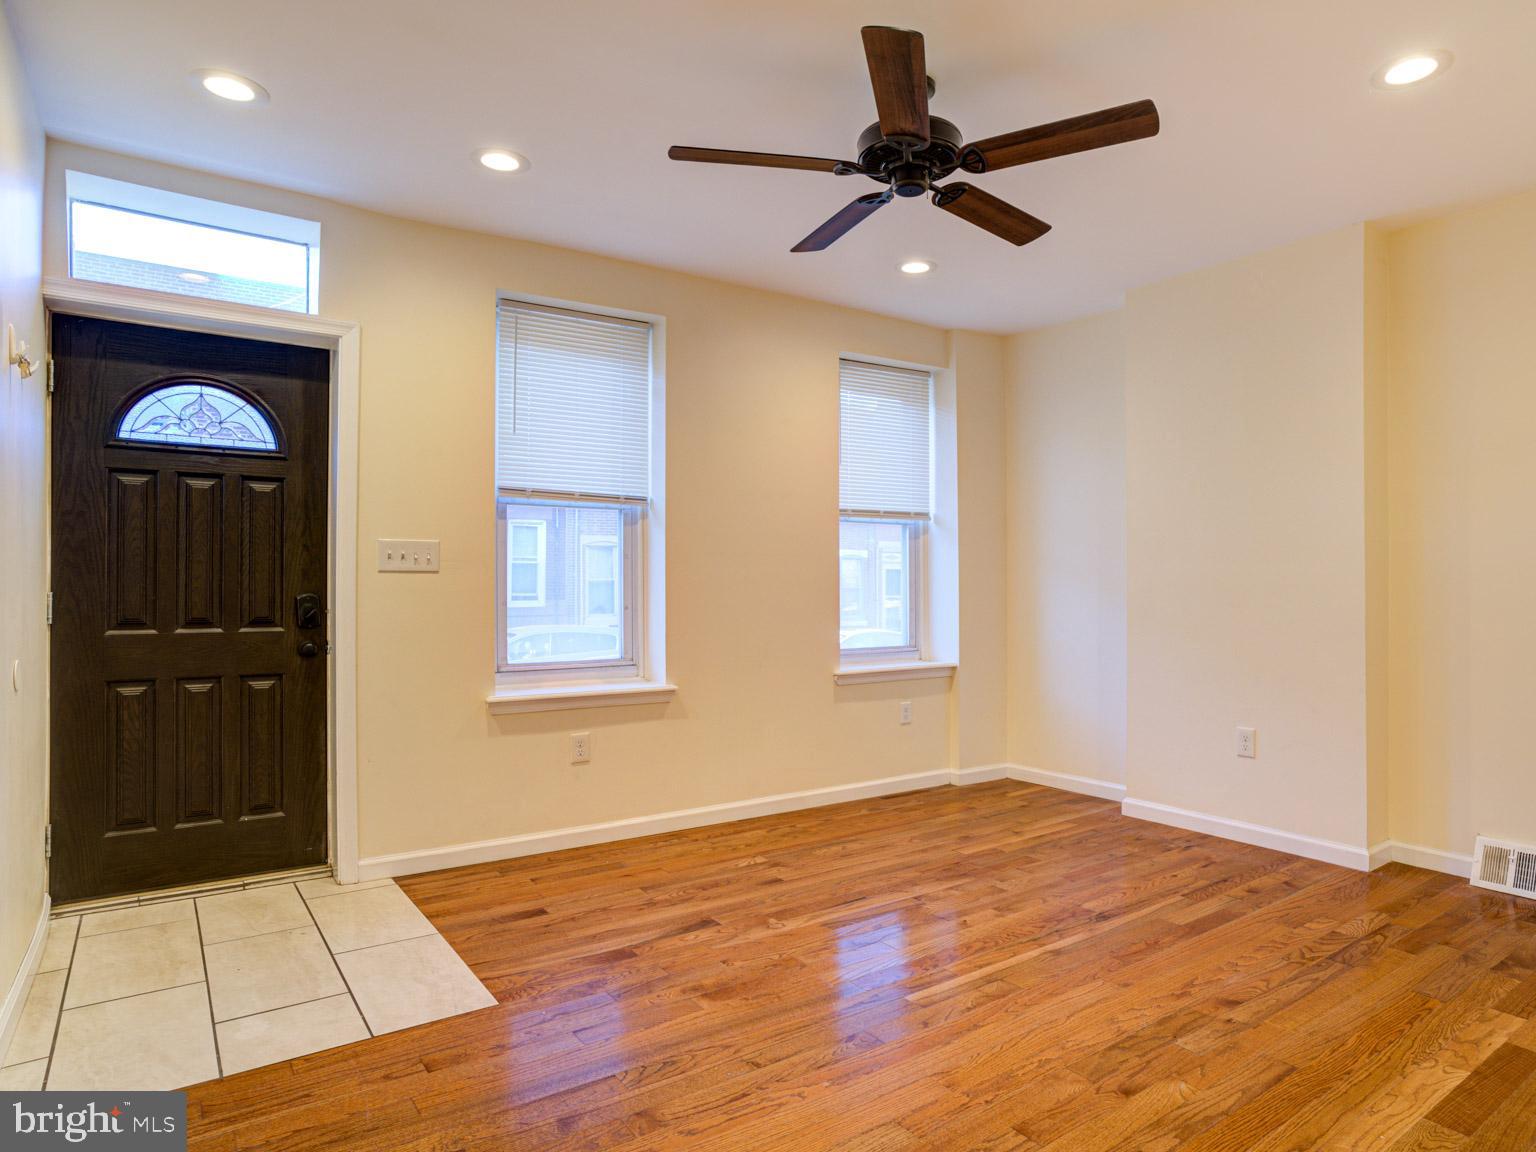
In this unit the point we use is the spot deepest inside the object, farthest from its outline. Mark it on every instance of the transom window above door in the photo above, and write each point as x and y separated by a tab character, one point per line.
142	237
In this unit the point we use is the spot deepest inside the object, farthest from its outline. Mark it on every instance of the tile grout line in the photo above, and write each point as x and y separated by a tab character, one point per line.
131	996
58	1019
345	983
268	932
202	958
385	943
296	1004
135	928
353	889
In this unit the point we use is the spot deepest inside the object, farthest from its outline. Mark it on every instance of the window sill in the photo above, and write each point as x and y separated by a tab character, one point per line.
898	670
548	698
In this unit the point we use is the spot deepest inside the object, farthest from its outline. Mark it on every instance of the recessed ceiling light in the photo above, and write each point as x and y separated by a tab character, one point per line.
193	277
1412	69
229	86
500	160
917	267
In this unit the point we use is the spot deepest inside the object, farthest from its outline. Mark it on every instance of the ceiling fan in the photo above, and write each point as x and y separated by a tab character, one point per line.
910	151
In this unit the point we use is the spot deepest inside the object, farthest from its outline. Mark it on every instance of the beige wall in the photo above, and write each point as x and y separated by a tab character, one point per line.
1330	534
1463	529
978	720
751	383
1245	551
1377	385
1066	548
22	640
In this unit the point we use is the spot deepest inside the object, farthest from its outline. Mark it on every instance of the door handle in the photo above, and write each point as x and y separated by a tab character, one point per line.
309	650
307	612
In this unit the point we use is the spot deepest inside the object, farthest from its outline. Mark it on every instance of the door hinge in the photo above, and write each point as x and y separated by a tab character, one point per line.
47	841
50	375
49	614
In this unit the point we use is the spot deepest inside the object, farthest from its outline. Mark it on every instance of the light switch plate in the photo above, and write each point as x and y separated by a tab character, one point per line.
408	555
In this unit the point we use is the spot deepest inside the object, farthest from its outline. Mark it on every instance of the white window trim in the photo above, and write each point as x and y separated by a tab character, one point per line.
875	673
594	695
541	560
92	189
645	681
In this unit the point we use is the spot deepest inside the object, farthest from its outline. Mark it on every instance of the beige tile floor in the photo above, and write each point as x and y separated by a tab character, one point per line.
159	996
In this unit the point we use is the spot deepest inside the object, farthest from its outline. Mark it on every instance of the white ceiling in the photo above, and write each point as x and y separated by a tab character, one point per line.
1271	129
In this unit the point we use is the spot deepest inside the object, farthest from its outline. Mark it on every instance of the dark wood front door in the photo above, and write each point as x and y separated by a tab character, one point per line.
189	574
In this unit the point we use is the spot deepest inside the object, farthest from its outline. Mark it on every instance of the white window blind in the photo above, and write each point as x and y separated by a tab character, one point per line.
572	403
885	440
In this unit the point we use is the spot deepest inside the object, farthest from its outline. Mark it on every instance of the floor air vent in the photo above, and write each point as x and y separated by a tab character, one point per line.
1505	867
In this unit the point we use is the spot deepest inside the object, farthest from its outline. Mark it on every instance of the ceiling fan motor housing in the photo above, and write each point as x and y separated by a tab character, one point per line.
911	170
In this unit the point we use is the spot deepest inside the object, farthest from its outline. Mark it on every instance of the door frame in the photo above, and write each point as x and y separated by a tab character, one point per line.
343	339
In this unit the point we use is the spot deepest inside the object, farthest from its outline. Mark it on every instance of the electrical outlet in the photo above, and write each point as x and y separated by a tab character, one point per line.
906	711
581	747
1247	743
408	556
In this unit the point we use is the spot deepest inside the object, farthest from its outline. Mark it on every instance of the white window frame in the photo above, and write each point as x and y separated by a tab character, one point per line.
640	679
88	188
632	591
916	529
540	560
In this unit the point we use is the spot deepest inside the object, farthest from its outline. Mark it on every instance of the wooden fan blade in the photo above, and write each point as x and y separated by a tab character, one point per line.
841	223
1075	134
756	159
899	74
986	211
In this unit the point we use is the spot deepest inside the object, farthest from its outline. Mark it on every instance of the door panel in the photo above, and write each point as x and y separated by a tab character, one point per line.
131	545
261	745
199	552
199	750
188	732
131	757
261	553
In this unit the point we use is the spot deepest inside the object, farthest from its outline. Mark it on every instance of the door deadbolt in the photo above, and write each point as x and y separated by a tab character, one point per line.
307	612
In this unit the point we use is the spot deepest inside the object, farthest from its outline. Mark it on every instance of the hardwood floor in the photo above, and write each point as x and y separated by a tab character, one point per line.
999	967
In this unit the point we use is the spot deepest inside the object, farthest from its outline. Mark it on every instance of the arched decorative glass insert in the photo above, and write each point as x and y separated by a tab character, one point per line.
199	414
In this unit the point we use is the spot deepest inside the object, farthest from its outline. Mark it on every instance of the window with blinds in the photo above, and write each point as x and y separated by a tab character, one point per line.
885	454
573	403
885	467
573	466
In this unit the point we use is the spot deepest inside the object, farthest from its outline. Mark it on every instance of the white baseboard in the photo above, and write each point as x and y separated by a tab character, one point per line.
981	775
1328	851
1451	863
1087	785
532	843
16	996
